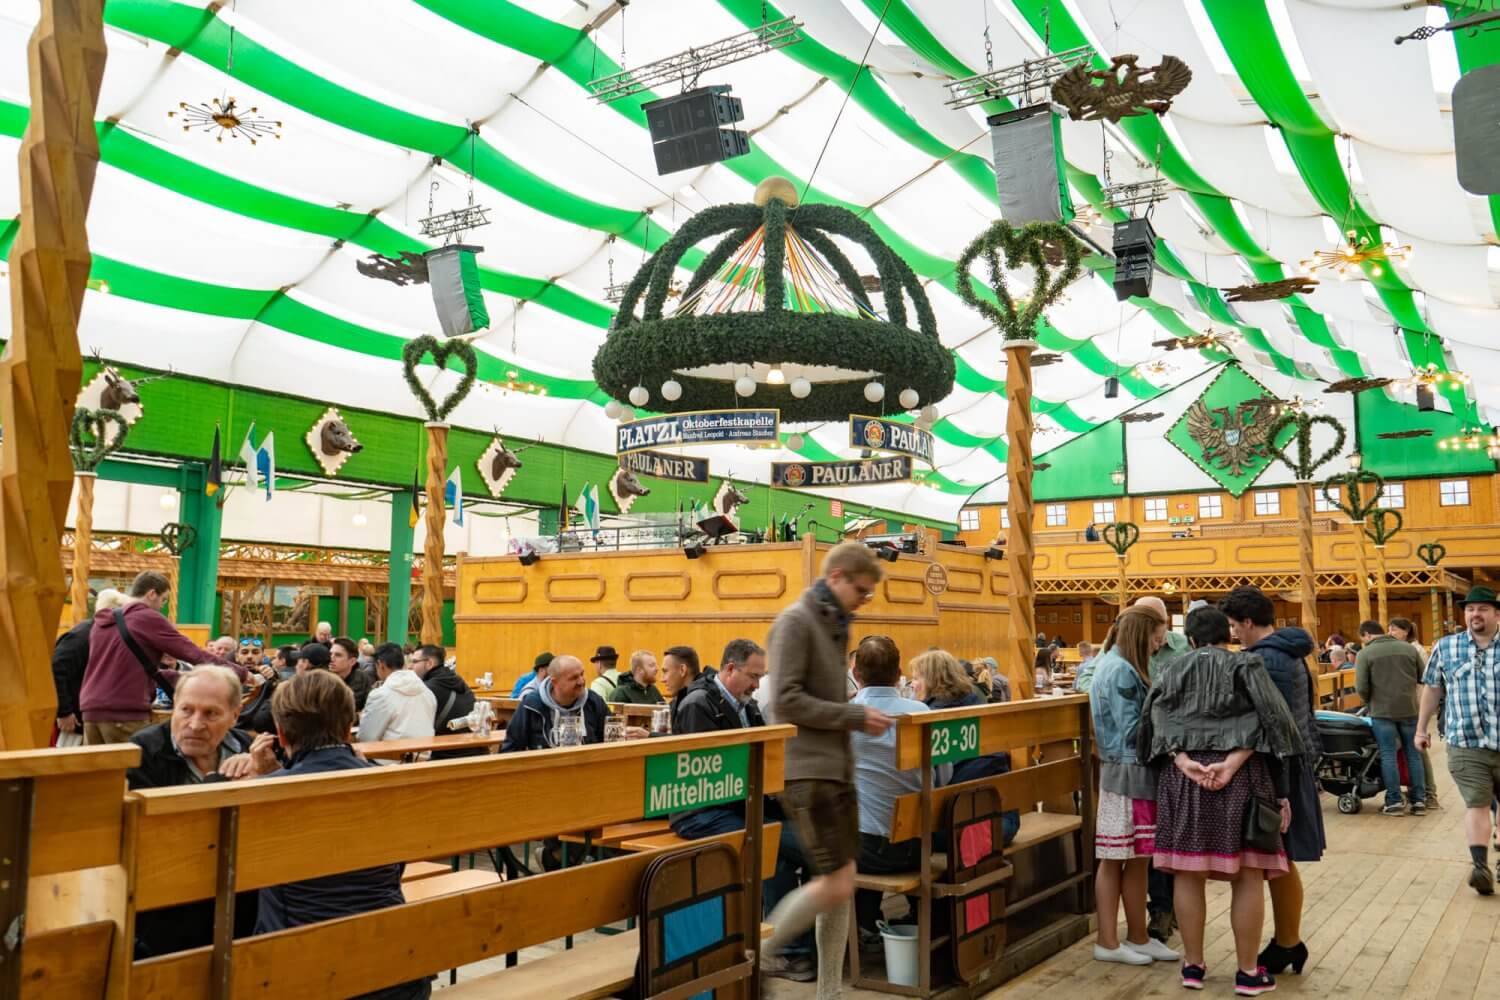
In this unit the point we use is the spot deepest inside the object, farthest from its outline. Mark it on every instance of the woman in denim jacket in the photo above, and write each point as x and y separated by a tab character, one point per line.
1126	825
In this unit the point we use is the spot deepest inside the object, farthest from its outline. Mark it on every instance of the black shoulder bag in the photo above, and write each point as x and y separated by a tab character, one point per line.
152	669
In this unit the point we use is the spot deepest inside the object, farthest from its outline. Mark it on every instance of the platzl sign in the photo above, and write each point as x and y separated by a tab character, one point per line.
890	435
681	468
693	779
801	475
700	427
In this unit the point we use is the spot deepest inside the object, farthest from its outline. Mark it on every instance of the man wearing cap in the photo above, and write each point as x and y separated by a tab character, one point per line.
538	671
606	665
313	656
1464	673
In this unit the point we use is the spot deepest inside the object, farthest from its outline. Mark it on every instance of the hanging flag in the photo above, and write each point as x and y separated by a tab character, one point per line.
587	504
260	461
416	501
562	510
454	275
247	455
453	496
215	480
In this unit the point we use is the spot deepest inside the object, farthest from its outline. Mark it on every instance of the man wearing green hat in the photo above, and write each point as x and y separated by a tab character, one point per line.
1464	672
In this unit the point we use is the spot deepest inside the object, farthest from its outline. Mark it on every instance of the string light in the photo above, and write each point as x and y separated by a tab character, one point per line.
1471	438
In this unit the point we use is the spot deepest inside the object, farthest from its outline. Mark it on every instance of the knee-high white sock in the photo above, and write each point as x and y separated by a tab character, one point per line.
793	915
833	938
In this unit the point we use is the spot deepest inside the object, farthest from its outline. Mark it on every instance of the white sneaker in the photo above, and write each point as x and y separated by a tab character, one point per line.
1152	949
1122	954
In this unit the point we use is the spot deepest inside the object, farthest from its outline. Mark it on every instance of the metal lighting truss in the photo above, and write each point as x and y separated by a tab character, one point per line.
1135	195
458	221
1017	83
687	66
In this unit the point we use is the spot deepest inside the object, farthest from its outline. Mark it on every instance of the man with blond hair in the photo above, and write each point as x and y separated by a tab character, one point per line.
806	651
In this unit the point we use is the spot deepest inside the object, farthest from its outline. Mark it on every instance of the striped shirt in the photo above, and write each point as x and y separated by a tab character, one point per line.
1470	679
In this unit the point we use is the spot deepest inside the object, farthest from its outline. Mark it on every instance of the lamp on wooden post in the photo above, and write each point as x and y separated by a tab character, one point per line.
1004	247
1120	536
1359	494
1432	553
42	367
1297	452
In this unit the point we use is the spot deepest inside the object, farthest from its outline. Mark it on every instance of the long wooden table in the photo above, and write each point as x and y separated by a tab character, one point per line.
398	749
505	707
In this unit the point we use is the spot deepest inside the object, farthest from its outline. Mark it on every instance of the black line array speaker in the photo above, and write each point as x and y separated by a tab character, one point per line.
686	130
1029	173
1476	130
1135	257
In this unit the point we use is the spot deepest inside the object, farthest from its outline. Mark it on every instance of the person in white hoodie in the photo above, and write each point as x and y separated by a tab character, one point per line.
402	707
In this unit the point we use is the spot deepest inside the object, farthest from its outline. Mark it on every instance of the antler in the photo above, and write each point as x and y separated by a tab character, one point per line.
154	378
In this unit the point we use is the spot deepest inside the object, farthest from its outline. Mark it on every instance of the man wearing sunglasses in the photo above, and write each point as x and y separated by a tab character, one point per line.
808	689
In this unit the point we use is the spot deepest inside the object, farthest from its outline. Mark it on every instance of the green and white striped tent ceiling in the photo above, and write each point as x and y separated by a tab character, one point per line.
237	263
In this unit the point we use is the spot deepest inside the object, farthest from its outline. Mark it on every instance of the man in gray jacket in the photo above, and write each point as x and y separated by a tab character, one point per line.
1386	674
806	657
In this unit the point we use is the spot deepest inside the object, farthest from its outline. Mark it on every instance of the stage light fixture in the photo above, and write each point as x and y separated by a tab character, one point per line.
1135	258
994	552
685	130
1426	401
1111	388
529	558
694	551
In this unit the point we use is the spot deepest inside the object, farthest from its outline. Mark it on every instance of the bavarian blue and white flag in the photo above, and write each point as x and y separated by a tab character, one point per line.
453	496
587	504
453	273
260	461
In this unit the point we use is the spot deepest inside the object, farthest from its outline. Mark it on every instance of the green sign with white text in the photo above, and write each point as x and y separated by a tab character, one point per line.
955	740
692	779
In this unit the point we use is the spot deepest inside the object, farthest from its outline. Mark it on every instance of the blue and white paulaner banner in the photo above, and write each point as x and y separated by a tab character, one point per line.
679	468
890	435
800	475
698	427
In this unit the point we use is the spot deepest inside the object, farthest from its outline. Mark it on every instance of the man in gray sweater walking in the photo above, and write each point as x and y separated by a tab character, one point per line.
805	652
1387	673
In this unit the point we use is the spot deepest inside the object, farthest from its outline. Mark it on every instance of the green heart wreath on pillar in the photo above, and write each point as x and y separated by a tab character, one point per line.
1121	535
178	536
1006	247
88	437
1431	553
1305	464
1378	531
412	355
1352	501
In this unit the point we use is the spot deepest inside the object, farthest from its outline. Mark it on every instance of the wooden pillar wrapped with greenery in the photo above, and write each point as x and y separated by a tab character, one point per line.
93	435
42	367
1039	246
1359	494
1384	525
1120	536
1432	553
461	352
1297	453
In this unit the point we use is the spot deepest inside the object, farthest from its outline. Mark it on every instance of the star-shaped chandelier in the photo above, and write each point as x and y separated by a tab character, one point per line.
1354	251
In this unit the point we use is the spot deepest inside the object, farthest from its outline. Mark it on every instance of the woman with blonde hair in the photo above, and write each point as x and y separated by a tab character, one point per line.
1125	831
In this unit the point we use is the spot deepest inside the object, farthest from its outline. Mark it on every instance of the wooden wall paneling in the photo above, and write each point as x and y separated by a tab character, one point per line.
493	590
659	585
583	588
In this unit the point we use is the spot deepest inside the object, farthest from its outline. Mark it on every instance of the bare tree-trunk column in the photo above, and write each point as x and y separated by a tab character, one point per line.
1020	550
1124	582
1380	590
1305	554
1436	614
42	369
83	543
1361	571
437	514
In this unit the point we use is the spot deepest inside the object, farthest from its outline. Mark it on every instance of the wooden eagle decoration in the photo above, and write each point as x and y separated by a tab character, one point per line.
1122	91
1419	432
1232	440
1268	291
1136	417
1044	359
1357	385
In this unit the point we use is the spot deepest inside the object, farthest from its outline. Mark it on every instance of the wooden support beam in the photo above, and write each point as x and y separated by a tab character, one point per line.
42	367
1021	550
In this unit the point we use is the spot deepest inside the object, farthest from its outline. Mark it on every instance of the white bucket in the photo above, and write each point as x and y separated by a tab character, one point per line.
900	952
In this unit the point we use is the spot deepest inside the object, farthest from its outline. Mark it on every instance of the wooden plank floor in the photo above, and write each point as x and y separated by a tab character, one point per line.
1388	915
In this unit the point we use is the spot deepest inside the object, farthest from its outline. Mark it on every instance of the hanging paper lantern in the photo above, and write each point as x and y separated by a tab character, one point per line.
613	409
744	385
671	390
874	392
639	396
929	415
909	399
800	388
795	442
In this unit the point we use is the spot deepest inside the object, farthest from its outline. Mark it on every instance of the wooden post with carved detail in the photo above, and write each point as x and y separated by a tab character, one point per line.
1361	571
42	368
1436	614
1020	550
1380	590
1124	582
1305	558
1448	606
83	543
437	514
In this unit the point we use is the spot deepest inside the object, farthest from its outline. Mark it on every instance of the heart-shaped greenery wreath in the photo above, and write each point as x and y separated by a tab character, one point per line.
1305	463
89	436
441	350
1005	247
1121	535
178	537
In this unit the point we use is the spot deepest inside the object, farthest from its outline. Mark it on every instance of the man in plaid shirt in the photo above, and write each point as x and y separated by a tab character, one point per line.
1465	669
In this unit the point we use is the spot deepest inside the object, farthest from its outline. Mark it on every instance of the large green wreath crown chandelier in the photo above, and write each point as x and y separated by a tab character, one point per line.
775	316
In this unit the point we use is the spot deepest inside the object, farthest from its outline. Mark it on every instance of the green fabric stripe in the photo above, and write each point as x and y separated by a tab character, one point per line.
468	269
1476	49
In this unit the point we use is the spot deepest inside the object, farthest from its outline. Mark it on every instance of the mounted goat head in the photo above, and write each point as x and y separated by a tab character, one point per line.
731	499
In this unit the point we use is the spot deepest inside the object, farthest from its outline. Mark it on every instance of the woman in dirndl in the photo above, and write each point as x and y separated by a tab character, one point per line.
1217	716
1126	824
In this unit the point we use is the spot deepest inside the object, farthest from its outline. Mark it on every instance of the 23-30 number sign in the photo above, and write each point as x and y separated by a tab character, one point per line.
955	740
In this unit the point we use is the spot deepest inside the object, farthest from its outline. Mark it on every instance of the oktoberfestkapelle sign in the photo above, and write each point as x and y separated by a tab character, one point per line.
890	435
698	427
803	475
680	468
692	779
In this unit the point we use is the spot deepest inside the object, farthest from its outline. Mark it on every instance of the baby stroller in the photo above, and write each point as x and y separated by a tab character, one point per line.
1350	765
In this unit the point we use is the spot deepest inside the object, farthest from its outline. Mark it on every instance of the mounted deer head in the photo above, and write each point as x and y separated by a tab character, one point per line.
731	498
507	458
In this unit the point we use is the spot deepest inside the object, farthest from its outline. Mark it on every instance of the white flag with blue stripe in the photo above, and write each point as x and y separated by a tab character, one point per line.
453	496
260	461
587	504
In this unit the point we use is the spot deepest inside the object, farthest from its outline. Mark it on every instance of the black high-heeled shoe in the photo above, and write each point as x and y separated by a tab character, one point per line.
1276	958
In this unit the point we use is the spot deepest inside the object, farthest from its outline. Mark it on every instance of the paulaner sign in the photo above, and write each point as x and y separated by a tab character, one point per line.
682	468
676	782
698	427
890	435
800	475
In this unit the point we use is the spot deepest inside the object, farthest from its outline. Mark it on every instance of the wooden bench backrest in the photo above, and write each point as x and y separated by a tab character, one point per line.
1019	789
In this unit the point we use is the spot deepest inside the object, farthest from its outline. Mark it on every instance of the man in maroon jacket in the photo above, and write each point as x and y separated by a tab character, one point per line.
118	685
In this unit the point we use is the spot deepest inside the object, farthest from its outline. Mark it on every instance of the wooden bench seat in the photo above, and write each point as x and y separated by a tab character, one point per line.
1036	828
615	833
770	844
424	869
442	885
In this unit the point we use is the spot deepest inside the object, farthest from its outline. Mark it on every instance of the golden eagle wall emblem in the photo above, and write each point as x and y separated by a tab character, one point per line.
1234	440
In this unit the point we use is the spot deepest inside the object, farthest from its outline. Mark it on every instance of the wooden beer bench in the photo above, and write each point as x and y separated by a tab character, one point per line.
95	855
1030	876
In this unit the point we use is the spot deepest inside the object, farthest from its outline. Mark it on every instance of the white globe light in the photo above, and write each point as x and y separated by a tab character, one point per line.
744	385
776	376
613	409
874	392
168	501
909	399
639	396
795	442
671	390
801	388
360	520
929	415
